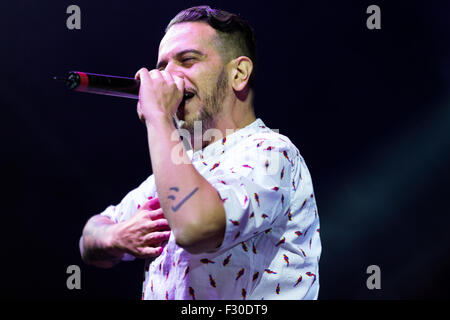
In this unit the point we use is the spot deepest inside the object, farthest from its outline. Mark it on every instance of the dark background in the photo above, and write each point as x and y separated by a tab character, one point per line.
368	109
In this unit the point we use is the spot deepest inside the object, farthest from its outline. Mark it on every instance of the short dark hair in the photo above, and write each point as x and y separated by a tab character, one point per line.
235	35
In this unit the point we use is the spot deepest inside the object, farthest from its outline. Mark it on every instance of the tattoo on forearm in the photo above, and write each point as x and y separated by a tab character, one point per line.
172	197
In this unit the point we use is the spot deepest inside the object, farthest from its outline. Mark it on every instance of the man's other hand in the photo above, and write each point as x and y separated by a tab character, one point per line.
144	234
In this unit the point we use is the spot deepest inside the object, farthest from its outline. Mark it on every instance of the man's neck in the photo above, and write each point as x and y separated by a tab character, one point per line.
238	116
226	126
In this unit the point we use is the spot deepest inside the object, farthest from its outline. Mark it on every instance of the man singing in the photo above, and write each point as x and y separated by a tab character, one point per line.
234	217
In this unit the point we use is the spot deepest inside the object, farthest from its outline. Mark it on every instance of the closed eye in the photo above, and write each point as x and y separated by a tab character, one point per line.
184	56
188	60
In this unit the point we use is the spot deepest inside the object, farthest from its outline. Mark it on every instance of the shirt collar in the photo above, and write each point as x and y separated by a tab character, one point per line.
218	147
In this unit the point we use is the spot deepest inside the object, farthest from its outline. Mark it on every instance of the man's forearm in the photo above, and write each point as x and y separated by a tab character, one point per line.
95	243
190	203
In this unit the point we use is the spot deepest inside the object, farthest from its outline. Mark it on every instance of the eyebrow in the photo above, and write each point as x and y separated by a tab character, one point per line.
162	63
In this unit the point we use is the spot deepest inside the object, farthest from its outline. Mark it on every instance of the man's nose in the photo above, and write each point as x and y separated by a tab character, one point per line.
174	69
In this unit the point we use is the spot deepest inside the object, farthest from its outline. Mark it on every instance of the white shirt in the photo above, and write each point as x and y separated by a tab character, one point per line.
271	247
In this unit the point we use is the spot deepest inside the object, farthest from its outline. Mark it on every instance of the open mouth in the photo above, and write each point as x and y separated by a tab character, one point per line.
188	94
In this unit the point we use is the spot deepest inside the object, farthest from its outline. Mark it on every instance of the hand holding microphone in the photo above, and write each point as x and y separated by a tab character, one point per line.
158	83
160	94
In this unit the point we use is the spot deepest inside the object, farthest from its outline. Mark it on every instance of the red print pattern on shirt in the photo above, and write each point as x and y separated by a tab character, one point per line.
206	261
240	273
234	222
298	281
253	196
244	294
212	282
186	271
192	293
226	260
286	258
282	240
256	198
215	166
310	274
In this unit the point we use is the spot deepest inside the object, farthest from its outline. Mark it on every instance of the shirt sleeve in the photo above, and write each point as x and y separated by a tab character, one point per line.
132	201
130	204
255	186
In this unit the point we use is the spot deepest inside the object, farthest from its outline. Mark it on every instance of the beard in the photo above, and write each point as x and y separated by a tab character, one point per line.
211	106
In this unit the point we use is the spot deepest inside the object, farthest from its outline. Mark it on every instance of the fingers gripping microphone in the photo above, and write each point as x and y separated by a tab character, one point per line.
102	84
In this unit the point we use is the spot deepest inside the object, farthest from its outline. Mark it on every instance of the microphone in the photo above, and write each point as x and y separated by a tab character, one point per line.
107	85
102	84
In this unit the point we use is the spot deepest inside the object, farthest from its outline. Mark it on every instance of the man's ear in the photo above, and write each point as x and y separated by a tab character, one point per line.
241	70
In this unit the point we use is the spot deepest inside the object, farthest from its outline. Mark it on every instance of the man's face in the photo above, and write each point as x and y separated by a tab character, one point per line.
188	51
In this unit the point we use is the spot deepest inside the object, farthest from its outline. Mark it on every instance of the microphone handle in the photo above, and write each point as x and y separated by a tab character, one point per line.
103	84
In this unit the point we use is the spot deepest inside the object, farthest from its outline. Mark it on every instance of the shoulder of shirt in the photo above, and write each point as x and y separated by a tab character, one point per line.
268	138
